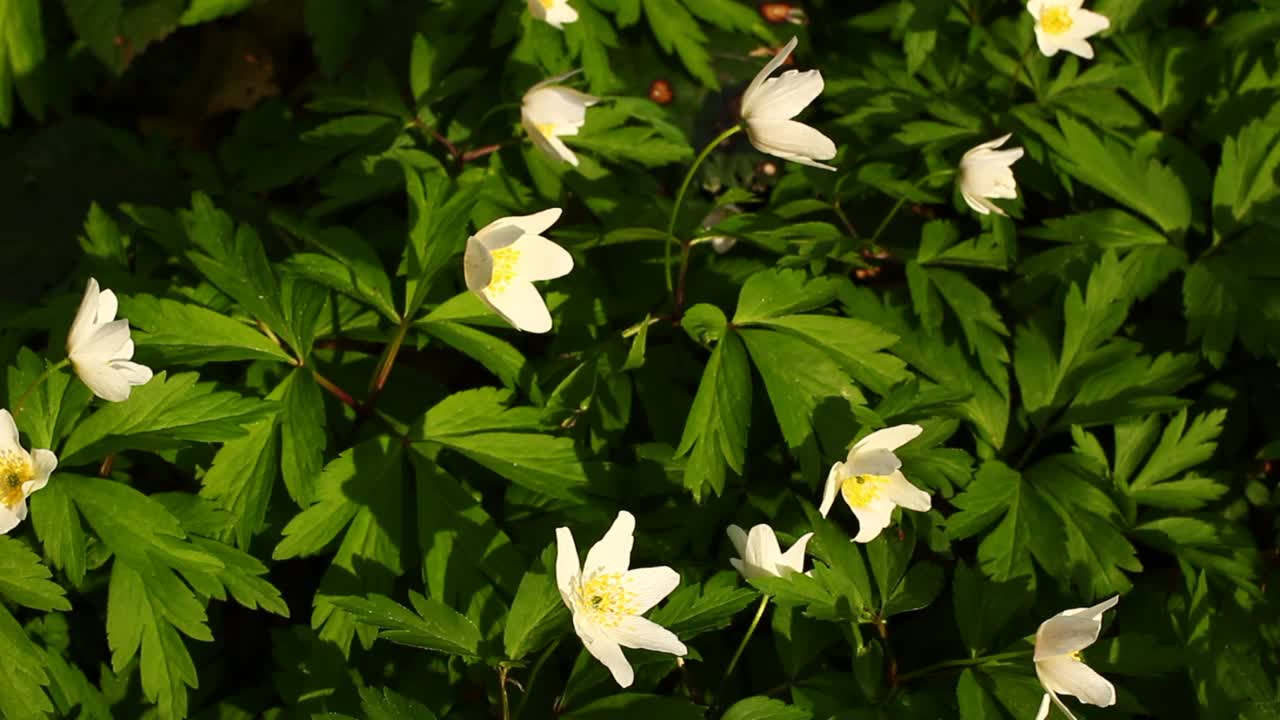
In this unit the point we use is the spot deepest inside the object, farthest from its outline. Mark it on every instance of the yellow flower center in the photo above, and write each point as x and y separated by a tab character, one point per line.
1056	20
547	129
547	4
605	600
15	469
860	490
504	269
1076	656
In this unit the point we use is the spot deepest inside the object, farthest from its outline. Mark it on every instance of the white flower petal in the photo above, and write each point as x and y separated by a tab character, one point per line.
534	224
613	553
605	649
1043	712
1035	7
980	205
872	519
43	463
832	488
783	97
1047	43
568	569
1087	23
1093	612
541	259
83	323
102	379
108	305
793	559
902	493
649	586
521	305
132	372
745	570
739	539
641	634
1080	47
1067	676
871	461
9	441
791	140
762	548
989	145
1071	630
773	64
11	517
561	14
890	438
557	149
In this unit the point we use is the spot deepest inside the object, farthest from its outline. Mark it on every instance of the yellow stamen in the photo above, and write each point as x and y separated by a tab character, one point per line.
605	600
860	490
1076	656
1056	20
15	469
546	129
504	269
547	4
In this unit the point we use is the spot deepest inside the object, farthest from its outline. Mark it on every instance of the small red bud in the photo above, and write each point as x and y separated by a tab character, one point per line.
775	12
660	92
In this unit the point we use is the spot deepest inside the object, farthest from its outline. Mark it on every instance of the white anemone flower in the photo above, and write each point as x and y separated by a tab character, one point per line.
21	473
1059	641
504	259
762	556
1066	25
607	598
100	349
556	13
550	112
768	106
986	172
872	484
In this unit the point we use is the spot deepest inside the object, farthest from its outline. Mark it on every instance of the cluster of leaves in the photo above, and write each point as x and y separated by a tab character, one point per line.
337	496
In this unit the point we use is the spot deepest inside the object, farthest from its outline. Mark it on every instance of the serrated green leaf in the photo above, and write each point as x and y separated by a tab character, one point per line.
537	613
241	477
431	625
186	334
715	432
25	581
763	708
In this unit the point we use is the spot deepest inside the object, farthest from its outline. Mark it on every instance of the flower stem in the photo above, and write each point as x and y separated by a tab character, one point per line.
733	662
502	692
1017	71
952	664
22	399
684	188
884	224
385	364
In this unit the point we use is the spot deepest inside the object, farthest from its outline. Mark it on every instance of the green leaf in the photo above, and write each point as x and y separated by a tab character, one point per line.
241	576
21	49
437	232
1181	448
537	613
775	293
984	609
302	433
692	609
997	493
855	344
552	466
167	412
715	433
241	477
25	581
677	31
333	26
189	334
53	405
763	708
497	355
1131	178
137	618
634	706
643	145
431	625
1247	177
201	11
22	673
345	263
974	702
390	705
58	526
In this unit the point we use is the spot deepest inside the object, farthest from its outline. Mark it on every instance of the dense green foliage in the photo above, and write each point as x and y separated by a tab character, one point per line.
338	495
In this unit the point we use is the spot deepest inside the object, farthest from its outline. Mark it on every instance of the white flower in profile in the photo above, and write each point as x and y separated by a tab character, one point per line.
555	12
1059	641
550	112
987	173
762	556
768	104
872	484
1066	25
21	473
607	598
100	349
503	260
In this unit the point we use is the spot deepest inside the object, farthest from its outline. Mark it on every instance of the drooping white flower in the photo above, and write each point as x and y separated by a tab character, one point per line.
768	104
761	556
550	112
503	260
1066	25
555	12
21	473
100	349
872	484
607	598
987	173
1059	641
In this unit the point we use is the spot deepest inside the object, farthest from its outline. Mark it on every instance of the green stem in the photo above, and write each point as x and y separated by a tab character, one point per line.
952	664
635	329
684	188
1017	71
502	691
388	360
764	602
22	399
884	224
533	676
